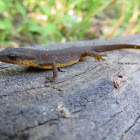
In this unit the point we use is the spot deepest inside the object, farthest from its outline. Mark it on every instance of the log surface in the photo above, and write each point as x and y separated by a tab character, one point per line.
83	104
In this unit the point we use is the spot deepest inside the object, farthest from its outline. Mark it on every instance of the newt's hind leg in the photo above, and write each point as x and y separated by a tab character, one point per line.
94	54
54	68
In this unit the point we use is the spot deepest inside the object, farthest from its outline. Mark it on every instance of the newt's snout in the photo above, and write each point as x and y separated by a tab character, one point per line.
18	56
6	56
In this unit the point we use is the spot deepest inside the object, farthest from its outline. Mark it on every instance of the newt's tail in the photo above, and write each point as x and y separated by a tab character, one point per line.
103	48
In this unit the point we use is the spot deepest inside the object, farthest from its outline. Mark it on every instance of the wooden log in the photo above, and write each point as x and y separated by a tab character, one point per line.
91	100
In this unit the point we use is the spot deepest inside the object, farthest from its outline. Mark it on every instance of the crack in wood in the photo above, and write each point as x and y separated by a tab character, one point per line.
123	135
132	125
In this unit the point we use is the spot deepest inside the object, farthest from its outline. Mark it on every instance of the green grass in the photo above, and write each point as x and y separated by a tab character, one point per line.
45	21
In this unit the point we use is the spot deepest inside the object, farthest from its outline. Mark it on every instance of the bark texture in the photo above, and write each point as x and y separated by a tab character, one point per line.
82	105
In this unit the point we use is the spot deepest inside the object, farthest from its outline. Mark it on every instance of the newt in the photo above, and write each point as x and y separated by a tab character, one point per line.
53	59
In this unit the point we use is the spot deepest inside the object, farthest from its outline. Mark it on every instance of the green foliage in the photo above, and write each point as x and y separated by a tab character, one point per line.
45	21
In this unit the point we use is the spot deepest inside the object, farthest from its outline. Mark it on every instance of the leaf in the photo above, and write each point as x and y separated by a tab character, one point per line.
93	4
6	24
20	29
35	28
44	9
83	30
51	28
67	19
2	25
21	9
2	6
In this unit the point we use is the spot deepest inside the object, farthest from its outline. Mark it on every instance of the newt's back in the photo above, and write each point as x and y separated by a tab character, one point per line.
35	57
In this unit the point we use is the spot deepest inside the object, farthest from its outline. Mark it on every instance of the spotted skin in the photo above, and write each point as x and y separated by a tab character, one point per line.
53	59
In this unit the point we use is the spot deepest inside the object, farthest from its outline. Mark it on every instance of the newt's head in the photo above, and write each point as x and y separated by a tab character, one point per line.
21	56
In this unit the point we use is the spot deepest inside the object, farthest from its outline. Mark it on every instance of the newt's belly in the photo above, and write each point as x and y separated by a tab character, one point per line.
58	65
32	63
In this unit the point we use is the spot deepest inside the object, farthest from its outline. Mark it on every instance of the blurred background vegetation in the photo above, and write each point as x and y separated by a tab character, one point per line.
46	21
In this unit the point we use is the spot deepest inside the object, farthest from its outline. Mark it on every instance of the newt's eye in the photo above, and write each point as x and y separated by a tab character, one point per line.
13	56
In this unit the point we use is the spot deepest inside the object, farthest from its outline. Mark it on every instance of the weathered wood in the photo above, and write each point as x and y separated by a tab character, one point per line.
82	105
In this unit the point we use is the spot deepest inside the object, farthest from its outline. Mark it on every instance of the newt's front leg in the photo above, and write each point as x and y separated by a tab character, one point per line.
94	54
54	68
